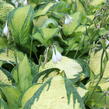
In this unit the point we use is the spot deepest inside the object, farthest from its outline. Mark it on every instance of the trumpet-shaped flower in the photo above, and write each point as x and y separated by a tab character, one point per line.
6	30
56	56
57	0
15	3
25	2
68	19
107	42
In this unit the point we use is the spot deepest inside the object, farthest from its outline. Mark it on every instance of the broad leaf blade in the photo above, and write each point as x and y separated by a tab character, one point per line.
12	95
24	74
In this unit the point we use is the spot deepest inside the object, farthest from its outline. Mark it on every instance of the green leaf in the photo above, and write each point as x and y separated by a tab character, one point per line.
61	7
44	73
5	8
9	56
96	2
43	11
15	75
8	75
68	29
21	29
50	23
4	79
70	66
38	22
45	34
24	74
37	94
98	100
12	95
85	67
44	97
3	43
37	36
3	104
71	90
80	6
49	33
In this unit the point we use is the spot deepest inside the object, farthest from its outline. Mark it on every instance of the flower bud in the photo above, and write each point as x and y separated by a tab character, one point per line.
54	58
57	0
107	42
16	4
25	3
5	30
58	55
68	19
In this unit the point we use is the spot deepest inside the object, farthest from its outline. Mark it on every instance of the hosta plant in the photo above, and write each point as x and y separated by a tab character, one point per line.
54	54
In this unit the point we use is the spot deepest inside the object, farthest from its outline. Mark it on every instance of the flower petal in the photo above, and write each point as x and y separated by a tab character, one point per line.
5	30
68	19
58	55
25	3
54	58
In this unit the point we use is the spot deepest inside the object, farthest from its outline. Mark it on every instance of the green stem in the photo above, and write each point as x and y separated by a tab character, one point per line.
31	46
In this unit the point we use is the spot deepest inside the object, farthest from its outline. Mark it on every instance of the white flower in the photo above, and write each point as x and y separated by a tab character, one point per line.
16	4
107	42
6	30
54	59
25	3
57	0
56	55
68	19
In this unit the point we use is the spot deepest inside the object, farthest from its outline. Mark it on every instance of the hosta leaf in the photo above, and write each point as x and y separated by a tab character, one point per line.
24	74
49	33
95	59
21	29
29	93
3	43
85	67
12	95
4	79
80	6
5	8
57	15
45	35
9	56
43	97
50	23
3	104
37	36
71	90
69	66
38	22
37	94
15	74
43	11
68	29
96	2
7	74
45	74
98	100
61	7
81	29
